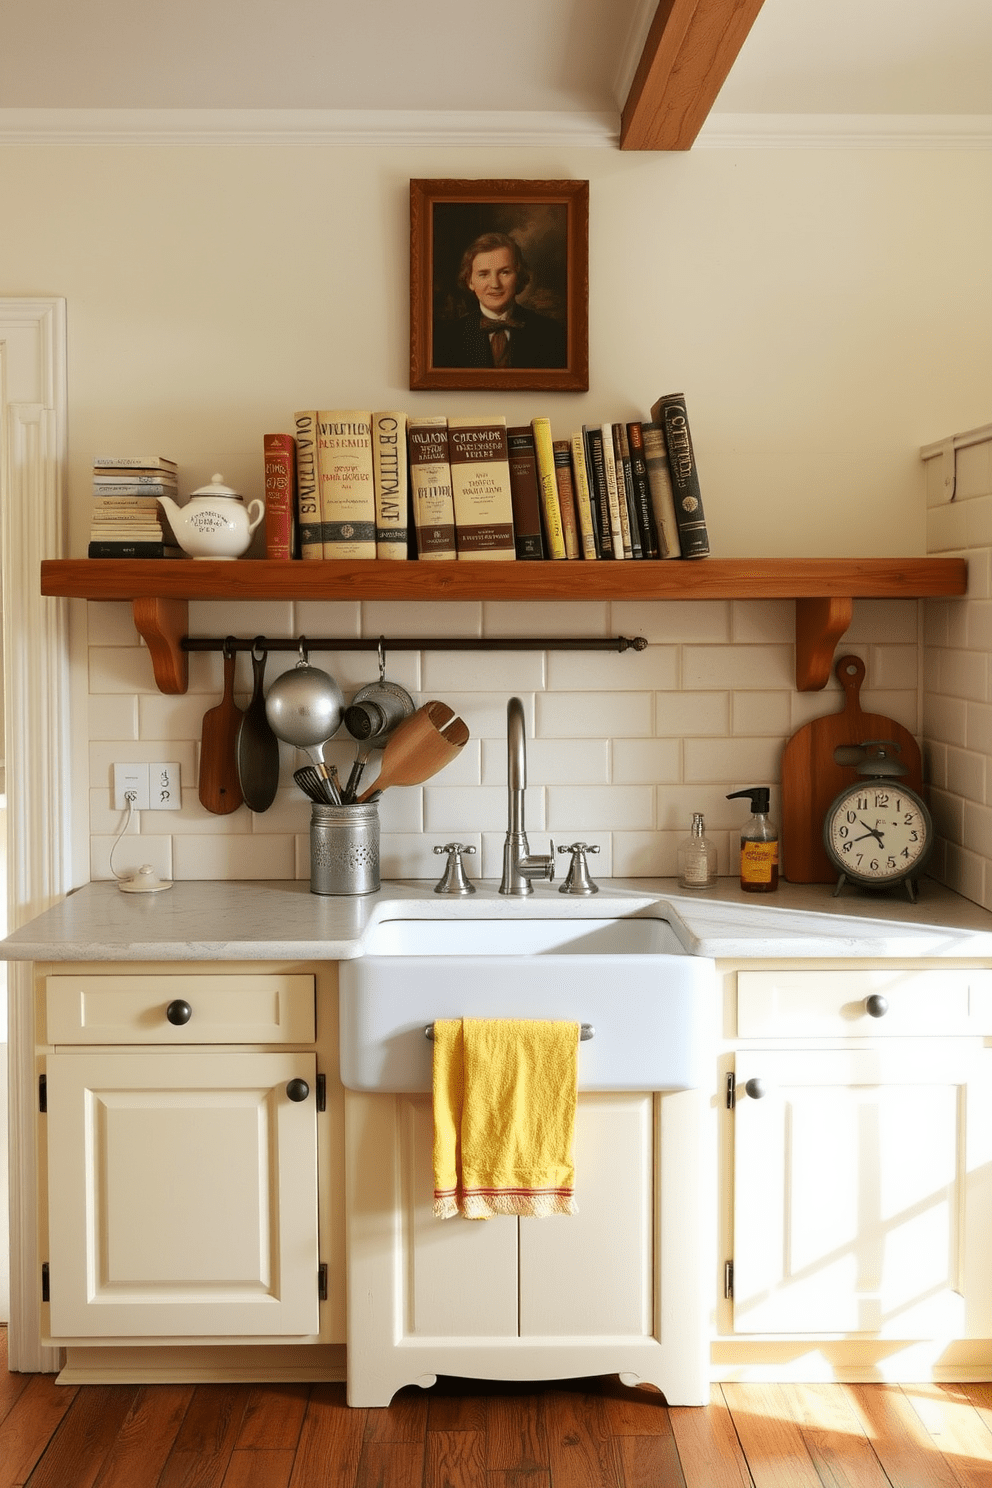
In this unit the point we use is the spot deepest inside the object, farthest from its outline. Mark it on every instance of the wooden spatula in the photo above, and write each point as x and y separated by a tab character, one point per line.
220	788
419	747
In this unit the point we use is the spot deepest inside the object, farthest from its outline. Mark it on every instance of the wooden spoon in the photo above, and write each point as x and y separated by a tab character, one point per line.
420	746
220	788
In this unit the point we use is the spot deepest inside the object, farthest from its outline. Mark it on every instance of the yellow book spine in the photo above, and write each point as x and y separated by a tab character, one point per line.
548	487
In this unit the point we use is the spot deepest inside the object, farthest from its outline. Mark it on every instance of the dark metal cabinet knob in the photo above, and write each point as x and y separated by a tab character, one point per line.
876	1006
756	1088
179	1012
297	1090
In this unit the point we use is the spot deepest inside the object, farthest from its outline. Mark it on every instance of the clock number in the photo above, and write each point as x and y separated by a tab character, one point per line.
881	798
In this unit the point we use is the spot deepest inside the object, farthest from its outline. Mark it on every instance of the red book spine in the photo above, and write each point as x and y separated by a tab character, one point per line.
280	494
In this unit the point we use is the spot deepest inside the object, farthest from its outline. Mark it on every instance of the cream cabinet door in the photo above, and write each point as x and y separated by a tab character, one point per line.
861	1187
182	1189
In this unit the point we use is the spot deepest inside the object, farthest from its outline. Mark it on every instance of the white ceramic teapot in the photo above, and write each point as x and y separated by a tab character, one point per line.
214	522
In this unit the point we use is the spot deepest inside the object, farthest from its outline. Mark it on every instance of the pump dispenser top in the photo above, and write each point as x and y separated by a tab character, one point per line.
759	843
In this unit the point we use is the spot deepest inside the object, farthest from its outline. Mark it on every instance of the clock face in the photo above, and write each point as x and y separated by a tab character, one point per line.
878	832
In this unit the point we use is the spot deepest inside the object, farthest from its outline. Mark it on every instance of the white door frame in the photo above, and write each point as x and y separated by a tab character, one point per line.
33	445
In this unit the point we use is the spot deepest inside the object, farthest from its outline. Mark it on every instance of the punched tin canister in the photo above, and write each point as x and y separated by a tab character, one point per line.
344	849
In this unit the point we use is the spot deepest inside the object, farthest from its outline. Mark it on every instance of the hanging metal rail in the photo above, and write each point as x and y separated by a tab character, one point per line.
305	644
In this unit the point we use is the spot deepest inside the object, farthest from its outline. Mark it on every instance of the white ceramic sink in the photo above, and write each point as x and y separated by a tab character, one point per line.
524	937
649	1003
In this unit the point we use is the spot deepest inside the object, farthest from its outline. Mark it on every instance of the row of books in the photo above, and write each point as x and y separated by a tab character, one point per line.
127	520
355	484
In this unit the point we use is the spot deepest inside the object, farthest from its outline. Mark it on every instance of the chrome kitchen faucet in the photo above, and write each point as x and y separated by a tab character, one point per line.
519	865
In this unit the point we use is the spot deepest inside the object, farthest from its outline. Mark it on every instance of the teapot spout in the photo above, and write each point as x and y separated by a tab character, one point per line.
169	507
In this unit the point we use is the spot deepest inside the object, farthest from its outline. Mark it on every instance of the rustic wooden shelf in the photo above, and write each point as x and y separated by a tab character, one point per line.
824	590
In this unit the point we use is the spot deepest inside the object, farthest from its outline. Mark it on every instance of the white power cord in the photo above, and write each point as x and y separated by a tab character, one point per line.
146	880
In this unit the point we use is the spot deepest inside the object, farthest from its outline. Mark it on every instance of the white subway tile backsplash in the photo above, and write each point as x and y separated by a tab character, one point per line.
595	715
429	618
977	733
763	620
761	713
528	618
893	667
738	667
112	859
878	622
964	674
644	854
946	719
327	617
564	761
973	471
964	774
670	620
609	807
117	669
709	760
110	624
480	808
234	857
401	809
113	717
482	671
692	713
605	671
647	761
242	618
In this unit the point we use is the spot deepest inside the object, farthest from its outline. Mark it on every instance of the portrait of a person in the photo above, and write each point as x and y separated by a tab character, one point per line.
490	327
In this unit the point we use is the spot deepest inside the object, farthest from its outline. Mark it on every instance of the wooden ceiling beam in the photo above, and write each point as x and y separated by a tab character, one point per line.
690	49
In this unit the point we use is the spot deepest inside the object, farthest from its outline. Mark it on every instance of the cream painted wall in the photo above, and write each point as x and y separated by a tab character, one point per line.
826	312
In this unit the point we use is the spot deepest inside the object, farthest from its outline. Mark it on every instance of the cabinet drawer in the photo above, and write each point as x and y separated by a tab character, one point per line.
265	1009
934	1002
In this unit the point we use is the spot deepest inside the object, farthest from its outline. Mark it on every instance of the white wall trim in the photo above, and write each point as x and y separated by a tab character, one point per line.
33	407
423	128
846	132
343	127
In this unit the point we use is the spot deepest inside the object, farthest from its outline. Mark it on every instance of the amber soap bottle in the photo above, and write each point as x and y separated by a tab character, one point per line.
759	844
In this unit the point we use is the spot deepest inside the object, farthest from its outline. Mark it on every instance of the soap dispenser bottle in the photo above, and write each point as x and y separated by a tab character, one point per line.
759	844
697	857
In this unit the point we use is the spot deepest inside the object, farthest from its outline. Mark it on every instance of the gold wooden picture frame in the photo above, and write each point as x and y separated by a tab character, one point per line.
485	251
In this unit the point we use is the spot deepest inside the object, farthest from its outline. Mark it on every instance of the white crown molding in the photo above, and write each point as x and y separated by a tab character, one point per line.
348	127
846	132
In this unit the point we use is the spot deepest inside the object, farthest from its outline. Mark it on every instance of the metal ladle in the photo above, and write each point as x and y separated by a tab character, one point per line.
304	708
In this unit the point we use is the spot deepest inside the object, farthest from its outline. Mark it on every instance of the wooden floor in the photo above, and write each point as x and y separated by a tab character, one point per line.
572	1434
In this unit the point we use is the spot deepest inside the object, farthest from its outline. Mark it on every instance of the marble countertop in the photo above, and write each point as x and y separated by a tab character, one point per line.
262	921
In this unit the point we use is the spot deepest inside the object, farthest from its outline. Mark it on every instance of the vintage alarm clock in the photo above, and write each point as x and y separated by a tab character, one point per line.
878	832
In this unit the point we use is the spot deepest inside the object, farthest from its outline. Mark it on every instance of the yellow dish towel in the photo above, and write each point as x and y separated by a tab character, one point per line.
504	1117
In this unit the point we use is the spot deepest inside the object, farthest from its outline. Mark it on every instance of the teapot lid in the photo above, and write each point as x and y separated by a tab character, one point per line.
216	487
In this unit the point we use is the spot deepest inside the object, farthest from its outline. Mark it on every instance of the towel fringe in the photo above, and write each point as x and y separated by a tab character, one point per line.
489	1206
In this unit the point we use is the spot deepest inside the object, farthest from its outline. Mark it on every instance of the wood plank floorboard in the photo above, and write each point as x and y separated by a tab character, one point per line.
590	1433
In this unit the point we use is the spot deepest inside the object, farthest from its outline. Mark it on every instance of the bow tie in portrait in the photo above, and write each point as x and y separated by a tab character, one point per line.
489	326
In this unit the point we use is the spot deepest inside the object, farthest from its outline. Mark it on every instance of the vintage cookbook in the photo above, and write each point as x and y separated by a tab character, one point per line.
389	464
554	537
346	482
279	460
480	488
309	532
524	491
430	486
670	413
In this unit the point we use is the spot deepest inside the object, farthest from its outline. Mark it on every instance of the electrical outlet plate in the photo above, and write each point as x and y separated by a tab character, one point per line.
164	792
148	787
131	787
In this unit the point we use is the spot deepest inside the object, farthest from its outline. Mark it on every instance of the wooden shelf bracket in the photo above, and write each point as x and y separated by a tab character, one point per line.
820	623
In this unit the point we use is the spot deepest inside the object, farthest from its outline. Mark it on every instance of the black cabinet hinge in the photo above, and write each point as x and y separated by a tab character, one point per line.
731	1091
728	1280
321	1092
45	1289
43	1093
322	1282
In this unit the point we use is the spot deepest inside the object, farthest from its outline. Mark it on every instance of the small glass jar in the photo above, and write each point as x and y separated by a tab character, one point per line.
697	858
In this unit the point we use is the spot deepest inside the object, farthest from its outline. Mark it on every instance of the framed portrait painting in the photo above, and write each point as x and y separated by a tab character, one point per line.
499	285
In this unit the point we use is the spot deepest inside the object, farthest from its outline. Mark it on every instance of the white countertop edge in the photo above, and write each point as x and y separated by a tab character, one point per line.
281	920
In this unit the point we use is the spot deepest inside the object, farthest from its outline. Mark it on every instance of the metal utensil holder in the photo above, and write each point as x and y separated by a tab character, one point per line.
344	849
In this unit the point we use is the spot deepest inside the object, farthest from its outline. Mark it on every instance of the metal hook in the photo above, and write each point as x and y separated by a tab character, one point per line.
258	645
229	647
304	658
382	658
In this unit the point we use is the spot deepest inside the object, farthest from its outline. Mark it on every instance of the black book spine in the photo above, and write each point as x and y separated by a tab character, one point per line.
670	412
625	483
600	495
642	492
99	549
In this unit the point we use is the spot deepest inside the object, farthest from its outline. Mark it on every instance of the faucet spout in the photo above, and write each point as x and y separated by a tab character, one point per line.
520	866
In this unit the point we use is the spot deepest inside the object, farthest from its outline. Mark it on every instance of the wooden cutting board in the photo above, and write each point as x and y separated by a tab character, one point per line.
220	785
811	777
